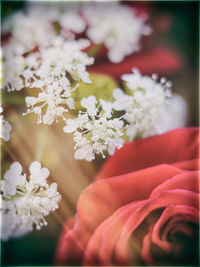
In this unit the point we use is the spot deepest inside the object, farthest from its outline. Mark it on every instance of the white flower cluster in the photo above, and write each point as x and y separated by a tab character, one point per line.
117	26
95	132
25	202
5	127
37	57
70	18
13	66
143	105
29	30
36	25
49	70
44	57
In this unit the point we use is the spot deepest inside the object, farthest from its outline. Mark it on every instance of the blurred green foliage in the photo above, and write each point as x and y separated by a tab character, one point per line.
102	87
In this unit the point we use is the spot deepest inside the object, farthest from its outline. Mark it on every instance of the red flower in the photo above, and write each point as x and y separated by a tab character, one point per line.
155	60
143	208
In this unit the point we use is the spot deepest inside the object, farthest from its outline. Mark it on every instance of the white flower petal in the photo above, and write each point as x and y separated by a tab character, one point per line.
117	26
85	152
44	173
15	170
35	168
70	126
89	101
30	100
52	190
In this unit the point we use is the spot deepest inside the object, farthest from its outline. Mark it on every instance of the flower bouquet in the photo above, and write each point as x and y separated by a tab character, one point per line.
93	135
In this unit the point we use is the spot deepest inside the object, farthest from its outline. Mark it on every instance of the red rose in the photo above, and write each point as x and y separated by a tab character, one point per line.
142	209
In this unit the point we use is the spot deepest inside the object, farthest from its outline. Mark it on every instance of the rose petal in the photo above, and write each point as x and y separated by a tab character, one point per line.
61	256
144	153
165	198
169	212
102	243
110	229
100	199
186	180
147	62
191	164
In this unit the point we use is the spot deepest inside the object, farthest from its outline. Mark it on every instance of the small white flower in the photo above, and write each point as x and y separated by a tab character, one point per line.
85	152
5	127
66	14
71	20
38	175
30	28
13	64
47	65
64	56
117	27
46	70
95	132
143	105
13	178
52	102
90	104
25	202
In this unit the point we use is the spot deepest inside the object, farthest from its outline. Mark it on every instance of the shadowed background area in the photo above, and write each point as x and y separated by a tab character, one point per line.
175	24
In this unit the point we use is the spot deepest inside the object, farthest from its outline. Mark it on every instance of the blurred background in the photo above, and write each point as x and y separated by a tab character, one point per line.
175	26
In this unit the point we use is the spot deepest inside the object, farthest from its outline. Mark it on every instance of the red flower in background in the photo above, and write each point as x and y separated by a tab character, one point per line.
143	207
159	60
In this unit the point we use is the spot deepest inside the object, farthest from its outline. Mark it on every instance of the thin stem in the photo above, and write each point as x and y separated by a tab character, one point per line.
94	50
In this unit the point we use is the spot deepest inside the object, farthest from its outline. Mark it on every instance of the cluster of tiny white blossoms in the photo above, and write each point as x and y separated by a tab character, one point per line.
95	132
28	30
142	108
5	127
36	24
25	202
37	56
31	28
117	27
14	63
143	104
51	70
